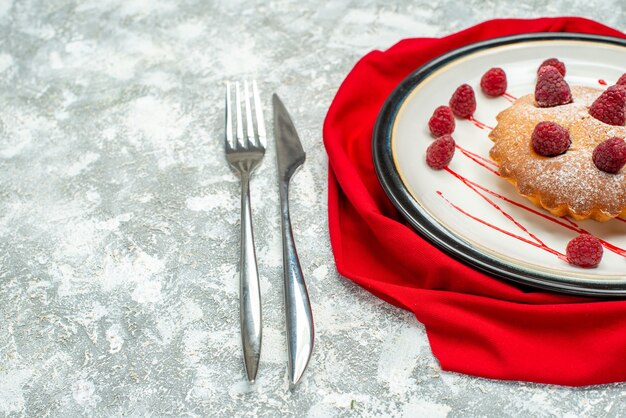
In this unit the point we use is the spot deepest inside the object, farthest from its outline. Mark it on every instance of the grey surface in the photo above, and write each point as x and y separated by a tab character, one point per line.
119	216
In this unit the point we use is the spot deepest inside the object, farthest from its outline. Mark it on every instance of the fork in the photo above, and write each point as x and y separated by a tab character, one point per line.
244	153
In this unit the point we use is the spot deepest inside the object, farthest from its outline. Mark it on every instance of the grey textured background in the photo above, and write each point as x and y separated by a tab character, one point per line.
119	217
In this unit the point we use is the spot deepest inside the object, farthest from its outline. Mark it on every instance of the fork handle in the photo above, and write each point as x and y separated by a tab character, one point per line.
249	291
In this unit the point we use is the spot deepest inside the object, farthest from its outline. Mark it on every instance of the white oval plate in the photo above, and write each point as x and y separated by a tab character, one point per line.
469	211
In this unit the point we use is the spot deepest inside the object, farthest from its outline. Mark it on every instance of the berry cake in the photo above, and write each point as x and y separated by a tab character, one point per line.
563	177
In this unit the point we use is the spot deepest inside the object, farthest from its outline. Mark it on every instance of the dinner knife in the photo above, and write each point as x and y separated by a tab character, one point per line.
299	318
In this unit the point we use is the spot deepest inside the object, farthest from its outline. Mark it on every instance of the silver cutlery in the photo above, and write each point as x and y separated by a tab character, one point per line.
244	153
299	318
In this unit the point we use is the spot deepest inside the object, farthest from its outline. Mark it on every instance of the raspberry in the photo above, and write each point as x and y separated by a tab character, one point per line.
553	62
441	122
610	106
622	80
551	89
440	153
493	82
549	139
463	101
584	251
610	155
542	70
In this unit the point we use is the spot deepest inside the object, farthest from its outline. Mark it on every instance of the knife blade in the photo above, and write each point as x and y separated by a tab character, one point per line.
299	318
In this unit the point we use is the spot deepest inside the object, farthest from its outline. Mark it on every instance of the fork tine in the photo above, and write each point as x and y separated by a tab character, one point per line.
249	125
228	142
260	123
240	139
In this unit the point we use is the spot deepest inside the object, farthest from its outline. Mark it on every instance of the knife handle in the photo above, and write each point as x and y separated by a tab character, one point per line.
299	318
249	290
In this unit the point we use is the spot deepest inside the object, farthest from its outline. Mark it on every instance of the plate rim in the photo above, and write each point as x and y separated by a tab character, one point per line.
443	238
